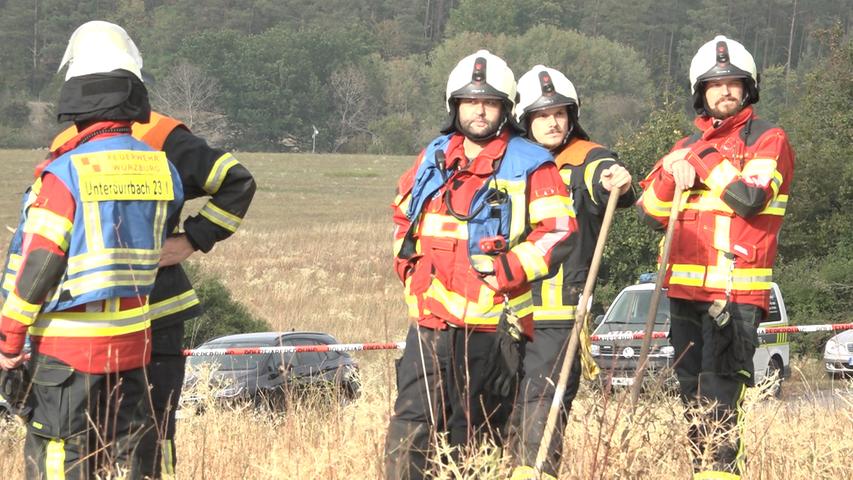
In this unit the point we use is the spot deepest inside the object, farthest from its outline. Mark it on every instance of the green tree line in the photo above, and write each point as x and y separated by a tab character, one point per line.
369	74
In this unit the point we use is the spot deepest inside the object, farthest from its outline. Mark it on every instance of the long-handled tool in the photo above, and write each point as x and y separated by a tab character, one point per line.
574	339
653	306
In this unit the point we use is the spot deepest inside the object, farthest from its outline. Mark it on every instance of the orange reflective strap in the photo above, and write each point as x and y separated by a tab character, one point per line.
155	132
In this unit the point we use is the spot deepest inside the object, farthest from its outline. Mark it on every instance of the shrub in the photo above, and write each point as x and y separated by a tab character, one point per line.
222	314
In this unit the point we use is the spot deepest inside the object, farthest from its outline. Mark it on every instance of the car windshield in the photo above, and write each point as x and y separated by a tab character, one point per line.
230	362
632	308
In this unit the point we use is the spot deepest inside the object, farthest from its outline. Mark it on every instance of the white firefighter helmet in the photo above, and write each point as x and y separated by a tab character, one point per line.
100	47
542	88
481	75
722	58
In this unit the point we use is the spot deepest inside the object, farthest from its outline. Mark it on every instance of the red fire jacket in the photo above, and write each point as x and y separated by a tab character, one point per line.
448	290
728	224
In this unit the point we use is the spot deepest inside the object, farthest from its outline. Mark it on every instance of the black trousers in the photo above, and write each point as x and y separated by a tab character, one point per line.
543	360
712	383
157	455
83	424
439	392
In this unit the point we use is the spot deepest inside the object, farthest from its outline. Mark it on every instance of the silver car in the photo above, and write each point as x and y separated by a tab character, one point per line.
838	354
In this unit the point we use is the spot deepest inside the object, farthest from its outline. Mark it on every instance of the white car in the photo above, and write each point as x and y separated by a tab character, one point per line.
627	315
838	354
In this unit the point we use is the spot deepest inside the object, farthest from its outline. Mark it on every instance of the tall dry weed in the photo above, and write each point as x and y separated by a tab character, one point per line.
314	254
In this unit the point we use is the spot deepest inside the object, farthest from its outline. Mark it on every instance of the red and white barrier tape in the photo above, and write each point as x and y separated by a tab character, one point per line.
761	331
335	347
357	347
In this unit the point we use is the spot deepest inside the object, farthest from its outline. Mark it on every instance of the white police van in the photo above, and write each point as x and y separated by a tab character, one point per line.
618	359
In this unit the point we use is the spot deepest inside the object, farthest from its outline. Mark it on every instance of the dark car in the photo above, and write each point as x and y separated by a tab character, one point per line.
271	379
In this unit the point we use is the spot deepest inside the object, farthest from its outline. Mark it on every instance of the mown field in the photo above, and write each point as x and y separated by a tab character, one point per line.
314	254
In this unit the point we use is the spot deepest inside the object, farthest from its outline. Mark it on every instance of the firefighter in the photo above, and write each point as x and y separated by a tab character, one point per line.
548	109
481	215
85	256
736	173
204	171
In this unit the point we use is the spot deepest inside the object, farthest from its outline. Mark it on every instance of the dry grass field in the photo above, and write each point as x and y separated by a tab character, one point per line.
314	254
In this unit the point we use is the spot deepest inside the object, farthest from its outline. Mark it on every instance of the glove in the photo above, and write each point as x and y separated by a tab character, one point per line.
14	388
508	354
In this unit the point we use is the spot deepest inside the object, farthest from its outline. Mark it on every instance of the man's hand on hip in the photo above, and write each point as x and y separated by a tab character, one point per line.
175	250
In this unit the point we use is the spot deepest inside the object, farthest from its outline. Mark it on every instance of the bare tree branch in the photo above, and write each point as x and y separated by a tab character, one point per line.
189	94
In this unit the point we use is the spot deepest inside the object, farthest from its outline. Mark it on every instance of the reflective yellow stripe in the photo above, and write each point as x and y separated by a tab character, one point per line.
19	309
15	262
111	278
776	206
173	305
721	176
563	312
54	459
53	227
166	468
588	173
91	324
566	175
742	278
112	305
776	182
722	233
112	256
555	206
411	300
92	222
482	312
443	226
218	173
220	217
529	473
551	290
715	475
9	282
532	260
160	217
705	201
691	275
398	244
653	205
402	202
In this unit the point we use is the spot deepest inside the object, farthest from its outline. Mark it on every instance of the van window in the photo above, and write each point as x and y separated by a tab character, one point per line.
632	308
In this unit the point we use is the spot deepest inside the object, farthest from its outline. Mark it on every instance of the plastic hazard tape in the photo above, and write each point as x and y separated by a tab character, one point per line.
358	347
761	331
334	347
